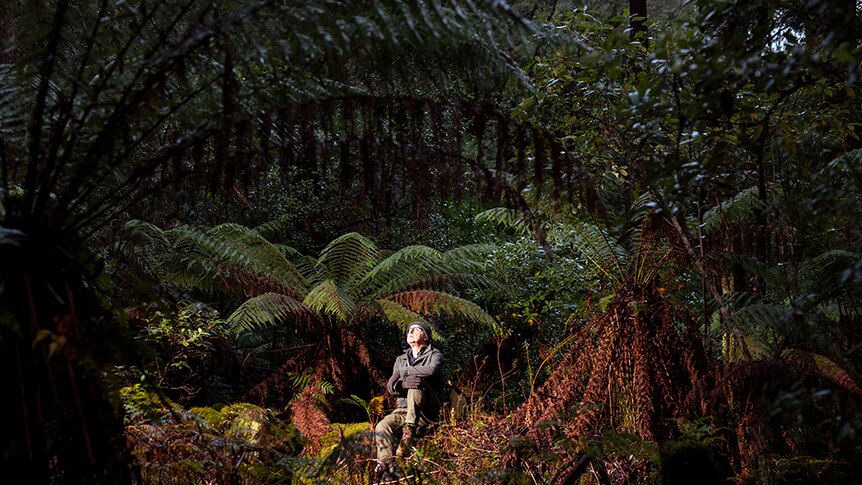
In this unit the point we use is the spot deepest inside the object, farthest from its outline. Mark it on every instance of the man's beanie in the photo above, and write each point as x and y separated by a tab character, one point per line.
425	328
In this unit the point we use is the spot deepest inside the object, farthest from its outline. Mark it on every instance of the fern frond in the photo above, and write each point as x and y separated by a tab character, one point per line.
399	314
824	367
606	256
632	224
821	274
741	208
347	258
229	258
289	252
468	258
267	310
400	268
271	229
438	303
143	232
762	322
328	299
251	251
423	267
508	218
776	278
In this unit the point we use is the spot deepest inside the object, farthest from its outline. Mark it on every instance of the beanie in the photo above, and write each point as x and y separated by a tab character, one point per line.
425	328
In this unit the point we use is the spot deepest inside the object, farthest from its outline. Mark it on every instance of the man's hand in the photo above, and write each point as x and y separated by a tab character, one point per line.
412	382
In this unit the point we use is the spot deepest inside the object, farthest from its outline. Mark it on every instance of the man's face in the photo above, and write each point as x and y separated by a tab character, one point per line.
416	336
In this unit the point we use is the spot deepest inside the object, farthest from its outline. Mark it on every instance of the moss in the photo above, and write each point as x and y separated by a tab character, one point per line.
331	440
210	415
245	421
142	404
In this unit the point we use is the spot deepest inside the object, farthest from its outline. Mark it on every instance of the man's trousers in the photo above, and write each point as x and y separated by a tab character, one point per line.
422	409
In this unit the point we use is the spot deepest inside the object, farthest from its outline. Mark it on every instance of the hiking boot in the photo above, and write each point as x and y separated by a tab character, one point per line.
385	472
406	441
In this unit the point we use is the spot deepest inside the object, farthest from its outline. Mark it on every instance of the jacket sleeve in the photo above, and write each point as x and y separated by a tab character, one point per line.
434	366
393	381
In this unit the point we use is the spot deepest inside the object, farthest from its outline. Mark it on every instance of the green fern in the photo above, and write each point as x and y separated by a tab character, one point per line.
328	299
401	315
505	217
269	309
347	258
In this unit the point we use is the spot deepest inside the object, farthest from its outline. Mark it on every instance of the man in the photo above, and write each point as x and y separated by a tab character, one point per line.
417	380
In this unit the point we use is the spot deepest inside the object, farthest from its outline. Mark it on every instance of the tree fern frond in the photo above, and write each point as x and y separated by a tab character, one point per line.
824	367
822	273
328	299
776	279
400	268
347	258
289	252
267	310
310	268
607	257
632	224
229	258
399	314
741	208
271	229
505	217
251	250
762	322
142	232
444	304
459	282
470	257
423	267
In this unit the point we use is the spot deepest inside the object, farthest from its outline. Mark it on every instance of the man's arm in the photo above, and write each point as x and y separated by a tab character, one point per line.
392	385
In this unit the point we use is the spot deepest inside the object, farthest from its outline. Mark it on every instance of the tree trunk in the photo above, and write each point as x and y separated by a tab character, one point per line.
638	13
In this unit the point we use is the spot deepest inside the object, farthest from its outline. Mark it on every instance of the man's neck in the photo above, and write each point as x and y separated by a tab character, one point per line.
416	349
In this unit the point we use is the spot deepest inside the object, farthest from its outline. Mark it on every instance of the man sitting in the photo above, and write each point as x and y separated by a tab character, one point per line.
417	379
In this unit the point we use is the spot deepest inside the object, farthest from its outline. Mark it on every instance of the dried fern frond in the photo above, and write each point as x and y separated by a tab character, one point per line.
823	366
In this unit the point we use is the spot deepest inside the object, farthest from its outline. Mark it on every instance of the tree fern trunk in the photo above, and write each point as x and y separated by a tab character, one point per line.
66	422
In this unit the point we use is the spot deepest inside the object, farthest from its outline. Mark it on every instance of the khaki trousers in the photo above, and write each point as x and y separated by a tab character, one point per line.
422	409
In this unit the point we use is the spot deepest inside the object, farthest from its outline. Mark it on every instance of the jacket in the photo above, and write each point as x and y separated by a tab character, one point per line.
428	365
